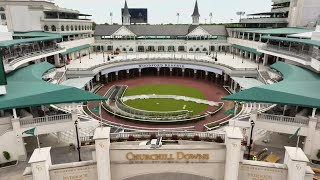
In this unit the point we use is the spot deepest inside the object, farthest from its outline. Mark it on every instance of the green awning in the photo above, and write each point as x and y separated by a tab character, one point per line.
300	87
252	50
295	40
3	78
75	49
27	40
26	89
35	34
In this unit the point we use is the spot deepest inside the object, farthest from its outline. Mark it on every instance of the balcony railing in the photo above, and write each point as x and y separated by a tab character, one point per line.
46	120
15	58
283	119
302	54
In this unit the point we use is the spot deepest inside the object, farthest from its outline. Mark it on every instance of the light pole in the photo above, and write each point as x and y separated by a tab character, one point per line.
178	17
111	14
250	141
80	56
210	15
240	13
243	57
78	142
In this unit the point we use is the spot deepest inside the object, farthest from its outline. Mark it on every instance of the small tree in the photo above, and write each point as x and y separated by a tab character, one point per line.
318	154
6	155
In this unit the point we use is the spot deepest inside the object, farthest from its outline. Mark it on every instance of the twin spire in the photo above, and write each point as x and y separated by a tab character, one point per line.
126	15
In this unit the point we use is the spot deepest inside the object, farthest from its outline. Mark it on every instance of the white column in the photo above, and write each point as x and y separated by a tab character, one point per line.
309	140
102	144
265	59
233	154
40	162
98	77
21	149
56	60
296	162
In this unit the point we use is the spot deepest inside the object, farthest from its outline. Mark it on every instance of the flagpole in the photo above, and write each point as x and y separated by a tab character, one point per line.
100	114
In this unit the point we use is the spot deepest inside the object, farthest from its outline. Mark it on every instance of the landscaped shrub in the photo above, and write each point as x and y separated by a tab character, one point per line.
6	155
318	154
196	138
219	139
153	136
131	138
175	137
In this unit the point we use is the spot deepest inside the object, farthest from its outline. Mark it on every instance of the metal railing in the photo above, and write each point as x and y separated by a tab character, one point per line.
179	134
283	119
46	120
303	54
32	54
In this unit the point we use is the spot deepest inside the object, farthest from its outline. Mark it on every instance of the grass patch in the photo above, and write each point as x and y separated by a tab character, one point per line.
162	105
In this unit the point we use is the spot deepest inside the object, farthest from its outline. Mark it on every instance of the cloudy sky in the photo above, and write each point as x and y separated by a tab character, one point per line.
165	11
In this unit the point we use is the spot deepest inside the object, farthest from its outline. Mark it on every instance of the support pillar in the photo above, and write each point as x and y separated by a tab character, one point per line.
56	60
127	73
74	117
102	144
158	71
217	78
257	58
117	75
207	73
98	77
170	71
265	59
225	78
183	72
40	163
106	78
296	162
233	153
195	74
310	138
139	72
21	149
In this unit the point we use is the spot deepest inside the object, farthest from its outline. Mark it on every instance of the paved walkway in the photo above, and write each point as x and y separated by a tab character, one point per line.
222	58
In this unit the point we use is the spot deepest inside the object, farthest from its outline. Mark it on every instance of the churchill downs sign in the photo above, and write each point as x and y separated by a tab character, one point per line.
161	65
180	156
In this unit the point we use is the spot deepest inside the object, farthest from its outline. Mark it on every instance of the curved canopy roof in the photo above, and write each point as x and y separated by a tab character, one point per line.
300	87
26	88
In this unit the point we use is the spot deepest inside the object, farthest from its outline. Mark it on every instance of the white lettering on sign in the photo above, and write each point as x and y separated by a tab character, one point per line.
161	65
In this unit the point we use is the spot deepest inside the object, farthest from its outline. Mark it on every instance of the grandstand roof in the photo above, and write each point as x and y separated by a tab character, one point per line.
9	43
75	49
275	31
300	87
296	40
244	48
160	30
26	88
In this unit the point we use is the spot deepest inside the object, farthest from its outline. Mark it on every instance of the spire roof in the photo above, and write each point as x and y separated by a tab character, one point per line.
196	10
126	10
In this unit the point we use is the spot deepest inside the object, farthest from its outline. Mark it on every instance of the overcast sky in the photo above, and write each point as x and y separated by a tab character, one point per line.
165	11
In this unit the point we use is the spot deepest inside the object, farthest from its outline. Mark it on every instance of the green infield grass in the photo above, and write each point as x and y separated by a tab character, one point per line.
162	105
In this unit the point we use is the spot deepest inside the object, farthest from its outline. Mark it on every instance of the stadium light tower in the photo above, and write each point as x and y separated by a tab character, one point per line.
111	14
178	17
241	13
211	15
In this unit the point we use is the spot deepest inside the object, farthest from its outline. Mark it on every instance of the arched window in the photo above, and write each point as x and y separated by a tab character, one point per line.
204	49
45	28
79	28
85	27
124	49
71	28
53	28
82	28
62	28
67	28
131	49
76	28
198	49
117	49
191	49
2	9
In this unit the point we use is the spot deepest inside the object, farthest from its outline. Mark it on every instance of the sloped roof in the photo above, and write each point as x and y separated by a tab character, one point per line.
26	88
75	49
9	43
300	87
160	30
244	48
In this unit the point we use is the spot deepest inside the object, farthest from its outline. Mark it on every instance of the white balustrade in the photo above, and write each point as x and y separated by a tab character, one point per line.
283	119
45	120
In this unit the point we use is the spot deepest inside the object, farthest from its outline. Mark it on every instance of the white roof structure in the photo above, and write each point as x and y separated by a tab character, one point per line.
247	83
306	35
77	82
